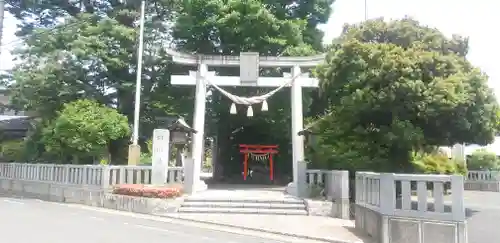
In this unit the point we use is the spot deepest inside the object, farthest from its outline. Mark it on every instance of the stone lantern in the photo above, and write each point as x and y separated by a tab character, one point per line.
180	136
180	131
310	137
310	142
171	131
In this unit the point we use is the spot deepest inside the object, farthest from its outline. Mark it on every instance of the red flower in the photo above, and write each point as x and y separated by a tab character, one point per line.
139	190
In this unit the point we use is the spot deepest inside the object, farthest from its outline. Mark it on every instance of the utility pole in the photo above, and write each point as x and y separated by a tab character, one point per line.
366	10
2	13
134	151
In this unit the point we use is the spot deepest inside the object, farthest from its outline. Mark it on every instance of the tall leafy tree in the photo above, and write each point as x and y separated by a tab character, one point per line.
84	129
394	87
88	49
95	49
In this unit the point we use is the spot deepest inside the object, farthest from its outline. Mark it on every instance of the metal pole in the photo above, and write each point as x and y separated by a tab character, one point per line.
138	83
2	12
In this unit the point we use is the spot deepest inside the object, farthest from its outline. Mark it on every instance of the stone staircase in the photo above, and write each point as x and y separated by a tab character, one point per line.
275	206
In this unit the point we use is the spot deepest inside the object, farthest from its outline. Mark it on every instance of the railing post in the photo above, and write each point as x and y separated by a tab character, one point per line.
457	197
387	201
12	172
105	177
123	175
387	193
24	172
67	171
338	191
36	172
302	189
85	175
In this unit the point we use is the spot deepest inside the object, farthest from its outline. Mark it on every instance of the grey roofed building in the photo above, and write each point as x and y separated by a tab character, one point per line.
12	127
13	124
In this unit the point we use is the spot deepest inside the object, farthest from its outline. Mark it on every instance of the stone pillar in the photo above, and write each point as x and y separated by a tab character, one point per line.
387	204
134	154
458	152
179	153
214	157
297	126
338	183
198	138
302	187
189	180
161	153
105	179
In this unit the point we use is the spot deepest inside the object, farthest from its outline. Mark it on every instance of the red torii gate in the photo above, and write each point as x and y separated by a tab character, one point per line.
258	149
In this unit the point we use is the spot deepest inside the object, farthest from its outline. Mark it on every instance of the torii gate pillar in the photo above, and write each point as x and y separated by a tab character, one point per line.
192	169
297	126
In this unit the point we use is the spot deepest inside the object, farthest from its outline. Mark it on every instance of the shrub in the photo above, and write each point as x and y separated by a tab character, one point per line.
483	160
436	164
138	190
461	168
12	151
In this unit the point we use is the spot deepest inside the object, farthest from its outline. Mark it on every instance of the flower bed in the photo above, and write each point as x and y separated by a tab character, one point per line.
138	190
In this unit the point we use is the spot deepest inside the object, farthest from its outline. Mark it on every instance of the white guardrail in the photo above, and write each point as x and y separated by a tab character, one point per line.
411	195
480	175
85	175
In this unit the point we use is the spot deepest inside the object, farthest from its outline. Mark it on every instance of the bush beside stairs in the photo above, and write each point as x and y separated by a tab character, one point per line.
284	206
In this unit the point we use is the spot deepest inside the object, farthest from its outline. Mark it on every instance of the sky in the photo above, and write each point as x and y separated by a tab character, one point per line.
469	18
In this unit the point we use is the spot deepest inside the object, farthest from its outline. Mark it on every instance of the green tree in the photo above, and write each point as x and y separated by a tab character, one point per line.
88	50
397	87
84	129
482	159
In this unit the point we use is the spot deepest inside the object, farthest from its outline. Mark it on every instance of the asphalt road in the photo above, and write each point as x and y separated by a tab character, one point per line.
483	209
29	221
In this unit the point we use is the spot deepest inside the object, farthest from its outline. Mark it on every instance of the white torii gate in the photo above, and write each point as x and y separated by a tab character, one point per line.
249	64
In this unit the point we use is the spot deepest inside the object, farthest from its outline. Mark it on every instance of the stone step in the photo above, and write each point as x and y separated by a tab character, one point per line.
259	205
243	211
245	200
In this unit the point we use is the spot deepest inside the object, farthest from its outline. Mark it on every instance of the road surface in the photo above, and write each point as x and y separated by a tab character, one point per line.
483	211
29	221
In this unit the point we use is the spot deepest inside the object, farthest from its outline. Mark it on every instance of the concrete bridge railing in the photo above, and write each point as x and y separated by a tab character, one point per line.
333	185
410	208
96	176
487	180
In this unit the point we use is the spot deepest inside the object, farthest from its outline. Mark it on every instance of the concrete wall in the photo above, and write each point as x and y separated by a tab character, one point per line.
393	229
90	196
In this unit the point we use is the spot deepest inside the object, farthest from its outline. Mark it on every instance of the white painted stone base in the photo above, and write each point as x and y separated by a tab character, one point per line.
336	209
192	182
487	186
292	189
200	186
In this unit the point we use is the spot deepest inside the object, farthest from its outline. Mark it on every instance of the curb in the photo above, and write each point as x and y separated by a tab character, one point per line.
305	237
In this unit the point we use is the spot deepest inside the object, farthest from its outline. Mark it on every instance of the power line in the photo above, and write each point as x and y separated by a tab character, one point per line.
40	33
